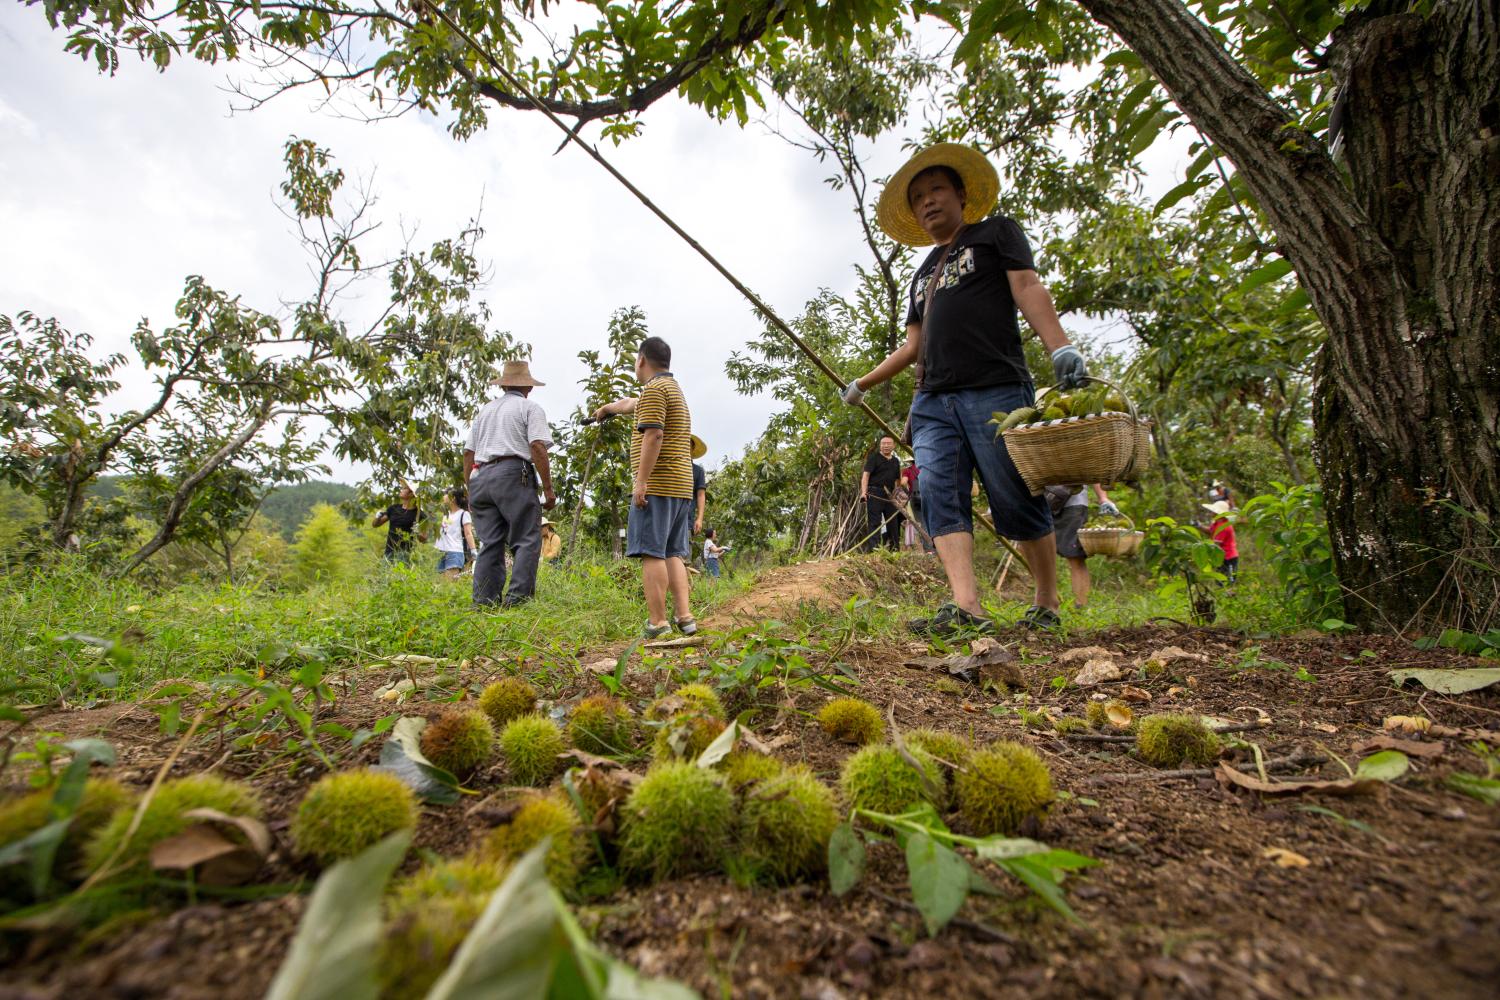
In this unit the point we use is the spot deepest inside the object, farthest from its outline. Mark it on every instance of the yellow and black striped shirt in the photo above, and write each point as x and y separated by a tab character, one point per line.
662	405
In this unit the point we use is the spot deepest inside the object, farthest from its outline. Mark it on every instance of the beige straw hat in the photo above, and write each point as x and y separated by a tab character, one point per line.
699	448
1220	507
981	190
516	373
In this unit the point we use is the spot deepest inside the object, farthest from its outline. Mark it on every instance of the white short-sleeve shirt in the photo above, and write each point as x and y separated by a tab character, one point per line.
506	427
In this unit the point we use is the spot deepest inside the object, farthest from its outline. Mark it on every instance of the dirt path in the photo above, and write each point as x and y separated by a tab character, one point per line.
1399	896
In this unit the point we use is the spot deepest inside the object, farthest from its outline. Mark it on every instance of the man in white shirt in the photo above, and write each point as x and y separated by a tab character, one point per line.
505	457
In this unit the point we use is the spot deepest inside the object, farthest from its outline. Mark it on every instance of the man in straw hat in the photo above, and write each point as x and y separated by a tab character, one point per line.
962	334
661	497
700	483
505	456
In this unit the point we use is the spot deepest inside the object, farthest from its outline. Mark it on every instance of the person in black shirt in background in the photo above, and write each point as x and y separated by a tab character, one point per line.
403	519
882	470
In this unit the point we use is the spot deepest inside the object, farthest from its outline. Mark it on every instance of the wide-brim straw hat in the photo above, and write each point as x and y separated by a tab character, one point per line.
1217	507
516	374
981	190
699	448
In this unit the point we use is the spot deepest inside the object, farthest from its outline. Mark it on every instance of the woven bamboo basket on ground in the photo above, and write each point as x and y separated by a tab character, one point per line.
1117	543
1100	448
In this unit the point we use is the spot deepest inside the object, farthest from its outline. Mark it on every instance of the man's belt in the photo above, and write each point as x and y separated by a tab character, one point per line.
502	458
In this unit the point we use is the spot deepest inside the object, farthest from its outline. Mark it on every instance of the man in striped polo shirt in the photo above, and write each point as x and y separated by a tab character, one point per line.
661	502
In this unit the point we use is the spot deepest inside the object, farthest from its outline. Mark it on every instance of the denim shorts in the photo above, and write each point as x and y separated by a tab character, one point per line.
450	560
661	530
953	437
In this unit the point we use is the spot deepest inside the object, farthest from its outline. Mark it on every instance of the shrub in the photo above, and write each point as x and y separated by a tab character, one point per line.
530	746
542	816
506	699
21	817
163	819
685	735
785	823
850	720
879	779
602	725
1171	739
347	812
429	915
1000	786
461	740
678	820
325	549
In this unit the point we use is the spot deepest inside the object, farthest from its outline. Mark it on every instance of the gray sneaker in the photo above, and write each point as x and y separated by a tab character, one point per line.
1040	619
687	626
655	631
951	620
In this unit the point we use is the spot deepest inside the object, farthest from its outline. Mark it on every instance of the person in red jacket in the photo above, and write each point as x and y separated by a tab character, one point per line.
1223	532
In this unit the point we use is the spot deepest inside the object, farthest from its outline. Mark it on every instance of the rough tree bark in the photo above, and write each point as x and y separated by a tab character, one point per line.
1401	261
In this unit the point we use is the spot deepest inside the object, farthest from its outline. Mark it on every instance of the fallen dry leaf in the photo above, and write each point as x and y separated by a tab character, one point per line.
1096	672
1325	727
1406	724
1412	748
1227	775
1132	693
1166	656
1175	690
1284	857
220	850
600	667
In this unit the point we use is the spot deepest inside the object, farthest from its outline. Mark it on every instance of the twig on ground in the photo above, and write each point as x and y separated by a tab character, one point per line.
1238	727
1292	763
983	930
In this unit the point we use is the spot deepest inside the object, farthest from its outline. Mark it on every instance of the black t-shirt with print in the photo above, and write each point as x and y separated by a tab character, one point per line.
973	338
883	473
402	521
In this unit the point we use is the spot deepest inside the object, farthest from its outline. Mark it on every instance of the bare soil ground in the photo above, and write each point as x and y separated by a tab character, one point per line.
1185	904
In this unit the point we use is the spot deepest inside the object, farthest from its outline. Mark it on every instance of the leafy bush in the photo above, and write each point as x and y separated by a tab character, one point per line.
1183	560
1292	533
326	549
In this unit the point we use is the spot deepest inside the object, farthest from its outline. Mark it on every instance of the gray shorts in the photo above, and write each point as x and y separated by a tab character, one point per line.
1066	525
661	530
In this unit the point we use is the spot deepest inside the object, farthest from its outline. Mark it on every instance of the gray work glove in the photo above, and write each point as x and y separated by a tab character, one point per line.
853	394
1108	509
1068	366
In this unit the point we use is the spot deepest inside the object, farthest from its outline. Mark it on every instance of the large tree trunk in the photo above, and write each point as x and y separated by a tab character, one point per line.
1401	261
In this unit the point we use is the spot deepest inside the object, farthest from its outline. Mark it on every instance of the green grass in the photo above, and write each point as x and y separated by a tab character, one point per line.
199	631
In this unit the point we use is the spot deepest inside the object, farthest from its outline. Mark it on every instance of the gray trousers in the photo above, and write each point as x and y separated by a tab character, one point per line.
507	515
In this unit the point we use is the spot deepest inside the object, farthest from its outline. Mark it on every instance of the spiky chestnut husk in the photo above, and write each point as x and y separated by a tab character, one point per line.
428	916
950	749
21	817
678	820
461	740
530	746
506	699
697	698
1172	739
1067	724
1000	786
543	816
347	812
878	778
602	725
163	818
697	729
741	767
850	720
785	823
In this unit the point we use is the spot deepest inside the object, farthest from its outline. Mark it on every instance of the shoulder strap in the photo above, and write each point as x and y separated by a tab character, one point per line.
932	282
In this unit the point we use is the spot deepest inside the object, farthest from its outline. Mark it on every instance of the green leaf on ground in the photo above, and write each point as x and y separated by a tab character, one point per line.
1387	765
402	756
1486	790
940	880
1449	681
333	955
846	859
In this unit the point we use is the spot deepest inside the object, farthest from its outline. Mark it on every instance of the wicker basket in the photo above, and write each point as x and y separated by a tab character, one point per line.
1117	543
1102	448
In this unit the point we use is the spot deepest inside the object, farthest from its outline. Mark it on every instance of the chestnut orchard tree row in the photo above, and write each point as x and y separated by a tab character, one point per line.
1356	140
236	391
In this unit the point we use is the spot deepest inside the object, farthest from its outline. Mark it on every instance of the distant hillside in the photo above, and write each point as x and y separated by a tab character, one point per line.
287	506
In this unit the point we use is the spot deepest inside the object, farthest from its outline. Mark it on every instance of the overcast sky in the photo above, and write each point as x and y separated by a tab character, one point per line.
113	190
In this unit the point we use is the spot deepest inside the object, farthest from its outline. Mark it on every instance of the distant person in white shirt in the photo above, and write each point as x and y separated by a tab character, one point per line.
455	541
711	552
506	456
